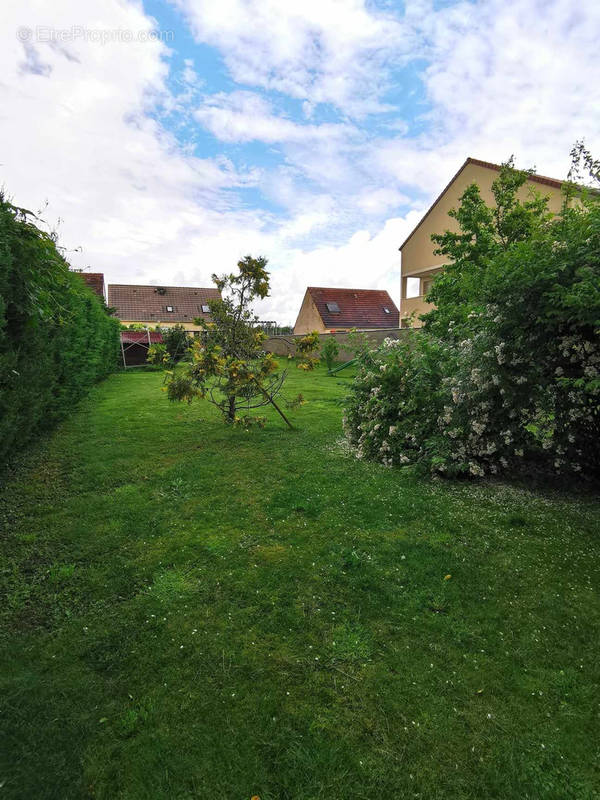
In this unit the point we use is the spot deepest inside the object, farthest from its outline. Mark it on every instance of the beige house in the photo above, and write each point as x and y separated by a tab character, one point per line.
419	264
336	310
161	305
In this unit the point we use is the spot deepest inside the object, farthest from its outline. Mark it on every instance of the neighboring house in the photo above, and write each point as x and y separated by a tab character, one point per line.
419	264
95	281
326	310
161	305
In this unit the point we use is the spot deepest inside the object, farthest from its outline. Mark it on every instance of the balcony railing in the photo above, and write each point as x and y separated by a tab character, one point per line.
416	306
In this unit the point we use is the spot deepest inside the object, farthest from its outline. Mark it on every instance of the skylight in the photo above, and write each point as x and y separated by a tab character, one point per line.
387	311
205	308
333	308
169	308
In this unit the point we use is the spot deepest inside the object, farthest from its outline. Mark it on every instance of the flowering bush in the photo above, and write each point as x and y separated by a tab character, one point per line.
397	392
505	374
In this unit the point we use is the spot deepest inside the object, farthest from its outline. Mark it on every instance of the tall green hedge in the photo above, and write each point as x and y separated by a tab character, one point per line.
56	337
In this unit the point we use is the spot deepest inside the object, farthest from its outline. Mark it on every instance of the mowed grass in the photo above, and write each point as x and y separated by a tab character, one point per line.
195	611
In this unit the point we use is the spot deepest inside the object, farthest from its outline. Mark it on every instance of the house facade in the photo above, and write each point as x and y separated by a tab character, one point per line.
419	263
337	310
164	306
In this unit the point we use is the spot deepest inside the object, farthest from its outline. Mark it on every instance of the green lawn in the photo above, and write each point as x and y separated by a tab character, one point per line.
198	612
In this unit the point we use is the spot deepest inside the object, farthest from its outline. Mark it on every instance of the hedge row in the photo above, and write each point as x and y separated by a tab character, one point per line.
56	337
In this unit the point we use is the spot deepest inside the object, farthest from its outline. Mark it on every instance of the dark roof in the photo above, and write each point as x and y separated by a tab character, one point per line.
359	308
556	184
135	337
95	280
149	303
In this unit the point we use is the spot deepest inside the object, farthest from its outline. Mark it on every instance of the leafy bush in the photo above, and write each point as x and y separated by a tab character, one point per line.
505	374
56	337
158	355
177	342
329	352
306	349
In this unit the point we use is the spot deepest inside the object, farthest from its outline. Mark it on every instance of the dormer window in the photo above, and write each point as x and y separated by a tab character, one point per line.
170	309
333	308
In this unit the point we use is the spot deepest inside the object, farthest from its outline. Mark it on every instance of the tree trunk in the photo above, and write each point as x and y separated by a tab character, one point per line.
231	412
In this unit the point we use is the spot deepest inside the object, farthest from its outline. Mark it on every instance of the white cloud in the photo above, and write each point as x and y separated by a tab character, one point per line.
79	135
243	116
504	77
323	51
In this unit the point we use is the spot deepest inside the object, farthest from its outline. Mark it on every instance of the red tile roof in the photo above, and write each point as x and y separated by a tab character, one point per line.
135	337
149	303
359	308
95	280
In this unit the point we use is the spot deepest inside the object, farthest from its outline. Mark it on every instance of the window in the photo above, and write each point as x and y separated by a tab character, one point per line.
386	310
205	308
413	288
170	309
333	308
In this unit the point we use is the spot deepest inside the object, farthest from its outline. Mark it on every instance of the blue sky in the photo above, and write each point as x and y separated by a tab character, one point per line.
165	140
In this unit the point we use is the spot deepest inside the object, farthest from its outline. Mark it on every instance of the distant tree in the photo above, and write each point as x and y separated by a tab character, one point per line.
229	366
330	351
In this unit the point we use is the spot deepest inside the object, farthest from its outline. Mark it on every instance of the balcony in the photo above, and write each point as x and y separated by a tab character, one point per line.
416	305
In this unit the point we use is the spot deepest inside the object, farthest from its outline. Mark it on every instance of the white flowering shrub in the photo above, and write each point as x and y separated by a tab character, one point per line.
396	394
505	374
521	399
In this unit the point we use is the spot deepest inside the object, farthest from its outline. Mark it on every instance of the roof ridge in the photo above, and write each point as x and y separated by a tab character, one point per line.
345	289
554	182
162	286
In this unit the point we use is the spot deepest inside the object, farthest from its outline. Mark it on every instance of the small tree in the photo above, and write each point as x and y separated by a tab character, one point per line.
329	352
229	366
